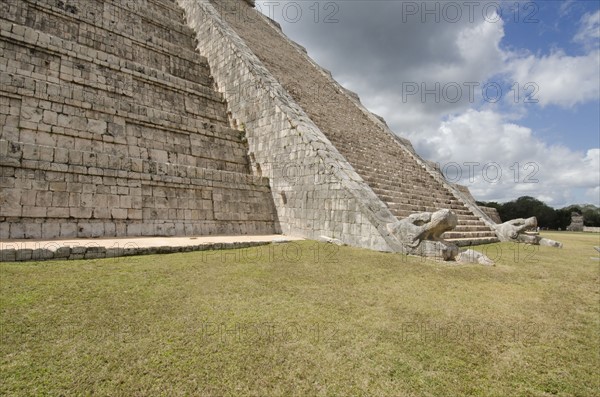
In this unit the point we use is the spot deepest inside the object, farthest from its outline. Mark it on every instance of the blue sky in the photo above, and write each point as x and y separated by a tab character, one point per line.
559	21
381	49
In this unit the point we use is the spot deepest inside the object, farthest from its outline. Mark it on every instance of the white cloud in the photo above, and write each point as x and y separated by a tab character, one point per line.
593	195
509	160
589	30
373	51
563	80
477	58
565	7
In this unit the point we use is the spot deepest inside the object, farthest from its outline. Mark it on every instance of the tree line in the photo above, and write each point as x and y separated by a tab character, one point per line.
547	217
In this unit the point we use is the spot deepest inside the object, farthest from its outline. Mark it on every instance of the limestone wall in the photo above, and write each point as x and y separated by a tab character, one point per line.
315	190
110	127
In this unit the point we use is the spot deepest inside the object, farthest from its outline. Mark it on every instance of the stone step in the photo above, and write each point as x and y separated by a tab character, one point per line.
414	208
466	242
67	61
455	234
465	222
76	109
400	199
63	184
179	61
414	174
151	8
392	187
94	162
128	17
112	108
407	193
207	145
472	228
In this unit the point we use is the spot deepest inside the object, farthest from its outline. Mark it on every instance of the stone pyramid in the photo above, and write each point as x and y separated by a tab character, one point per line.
194	117
111	127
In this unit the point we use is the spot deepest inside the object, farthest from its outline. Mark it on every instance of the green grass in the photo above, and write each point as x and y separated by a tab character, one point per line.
305	319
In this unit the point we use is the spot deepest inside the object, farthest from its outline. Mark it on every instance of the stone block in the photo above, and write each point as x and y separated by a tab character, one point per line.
17	230
58	187
100	200
46	154
33	230
134	214
125	202
62	253
110	229
50	117
28	200
68	230
101	213
92	230
10	200
87	200
34	212
74	199
89	159
58	212
61	155
23	255
80	213
4	231
75	157
8	255
51	230
119	213
60	199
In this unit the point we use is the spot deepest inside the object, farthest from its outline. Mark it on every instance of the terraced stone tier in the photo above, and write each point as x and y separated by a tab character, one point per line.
111	127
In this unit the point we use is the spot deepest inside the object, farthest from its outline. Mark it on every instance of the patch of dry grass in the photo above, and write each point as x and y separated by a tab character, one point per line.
305	319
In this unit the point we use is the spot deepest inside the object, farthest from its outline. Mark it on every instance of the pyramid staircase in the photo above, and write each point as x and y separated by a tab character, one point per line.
387	165
111	127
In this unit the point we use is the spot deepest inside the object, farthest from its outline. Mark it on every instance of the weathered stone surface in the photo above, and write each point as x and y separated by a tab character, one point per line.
472	256
515	229
330	240
90	122
520	231
420	234
550	243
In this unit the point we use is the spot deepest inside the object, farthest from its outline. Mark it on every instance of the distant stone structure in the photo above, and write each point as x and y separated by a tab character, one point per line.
180	118
576	222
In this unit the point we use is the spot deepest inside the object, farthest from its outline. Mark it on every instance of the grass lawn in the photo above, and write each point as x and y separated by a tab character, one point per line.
305	319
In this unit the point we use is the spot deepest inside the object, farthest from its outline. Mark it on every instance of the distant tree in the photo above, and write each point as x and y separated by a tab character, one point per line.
491	204
591	217
574	208
547	217
563	219
526	207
